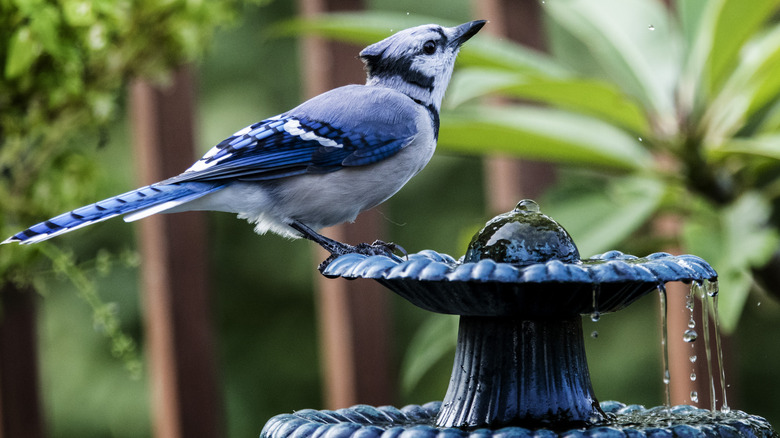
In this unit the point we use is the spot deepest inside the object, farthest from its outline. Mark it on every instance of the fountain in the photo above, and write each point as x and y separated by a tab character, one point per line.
520	368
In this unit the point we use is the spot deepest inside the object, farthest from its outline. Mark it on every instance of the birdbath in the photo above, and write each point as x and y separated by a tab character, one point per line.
520	368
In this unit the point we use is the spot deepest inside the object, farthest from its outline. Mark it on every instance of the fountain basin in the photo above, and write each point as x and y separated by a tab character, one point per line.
415	421
604	283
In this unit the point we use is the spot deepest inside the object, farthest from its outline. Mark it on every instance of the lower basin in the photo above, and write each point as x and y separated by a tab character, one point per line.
415	421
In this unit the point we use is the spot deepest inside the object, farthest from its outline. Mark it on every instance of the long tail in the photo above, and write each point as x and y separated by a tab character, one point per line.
136	204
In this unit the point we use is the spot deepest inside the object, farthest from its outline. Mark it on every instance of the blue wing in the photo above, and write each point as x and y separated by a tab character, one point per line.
316	137
348	126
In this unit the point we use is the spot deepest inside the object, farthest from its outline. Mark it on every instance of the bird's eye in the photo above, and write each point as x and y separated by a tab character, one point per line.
429	47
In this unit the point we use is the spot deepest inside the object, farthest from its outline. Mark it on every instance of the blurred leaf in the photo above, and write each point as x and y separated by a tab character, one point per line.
733	240
764	146
588	96
356	27
754	83
23	50
600	218
633	41
541	134
690	14
770	122
78	12
370	27
723	27
433	341
735	23
44	23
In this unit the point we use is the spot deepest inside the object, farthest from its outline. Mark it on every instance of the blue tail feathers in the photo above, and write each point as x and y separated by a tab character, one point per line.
144	202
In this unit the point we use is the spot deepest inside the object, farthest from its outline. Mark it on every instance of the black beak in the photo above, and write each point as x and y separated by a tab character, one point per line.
466	31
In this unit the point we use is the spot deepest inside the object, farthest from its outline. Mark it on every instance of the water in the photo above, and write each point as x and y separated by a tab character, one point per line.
690	335
665	344
706	292
712	292
699	290
636	417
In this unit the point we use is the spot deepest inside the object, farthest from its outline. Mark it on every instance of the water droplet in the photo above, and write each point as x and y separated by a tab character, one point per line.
691	323
651	27
759	303
594	334
694	396
690	335
693	377
407	13
712	288
595	316
667	378
692	359
639	138
528	206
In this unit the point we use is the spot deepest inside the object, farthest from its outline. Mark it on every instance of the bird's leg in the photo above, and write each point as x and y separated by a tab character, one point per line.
332	246
336	248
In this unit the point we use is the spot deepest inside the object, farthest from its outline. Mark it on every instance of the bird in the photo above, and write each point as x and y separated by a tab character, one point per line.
317	165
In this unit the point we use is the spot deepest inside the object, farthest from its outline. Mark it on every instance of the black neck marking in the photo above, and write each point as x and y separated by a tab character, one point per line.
434	116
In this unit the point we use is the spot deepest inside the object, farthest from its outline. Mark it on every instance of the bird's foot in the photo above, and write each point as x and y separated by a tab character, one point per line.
368	249
336	248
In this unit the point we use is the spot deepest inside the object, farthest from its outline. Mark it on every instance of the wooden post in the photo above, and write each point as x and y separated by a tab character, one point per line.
185	399
20	407
508	180
353	316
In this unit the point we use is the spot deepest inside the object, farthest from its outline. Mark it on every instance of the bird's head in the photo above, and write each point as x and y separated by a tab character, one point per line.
418	61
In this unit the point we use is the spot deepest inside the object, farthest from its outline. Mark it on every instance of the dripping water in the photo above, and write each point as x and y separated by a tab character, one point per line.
707	291
665	345
711	288
690	336
698	288
595	315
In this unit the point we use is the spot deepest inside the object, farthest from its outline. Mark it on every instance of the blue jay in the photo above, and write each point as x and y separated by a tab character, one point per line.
319	164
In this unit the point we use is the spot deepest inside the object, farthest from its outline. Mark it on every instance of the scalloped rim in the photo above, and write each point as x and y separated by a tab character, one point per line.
415	421
610	267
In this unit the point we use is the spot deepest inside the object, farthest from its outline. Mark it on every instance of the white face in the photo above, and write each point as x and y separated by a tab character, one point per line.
416	61
438	64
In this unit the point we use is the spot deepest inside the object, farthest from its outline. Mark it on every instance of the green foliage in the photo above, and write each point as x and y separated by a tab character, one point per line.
63	65
104	315
678	105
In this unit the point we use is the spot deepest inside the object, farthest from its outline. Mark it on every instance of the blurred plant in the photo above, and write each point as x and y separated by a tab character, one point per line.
669	110
63	67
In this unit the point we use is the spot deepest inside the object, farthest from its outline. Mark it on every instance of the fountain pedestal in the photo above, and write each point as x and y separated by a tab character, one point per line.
520	368
519	372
